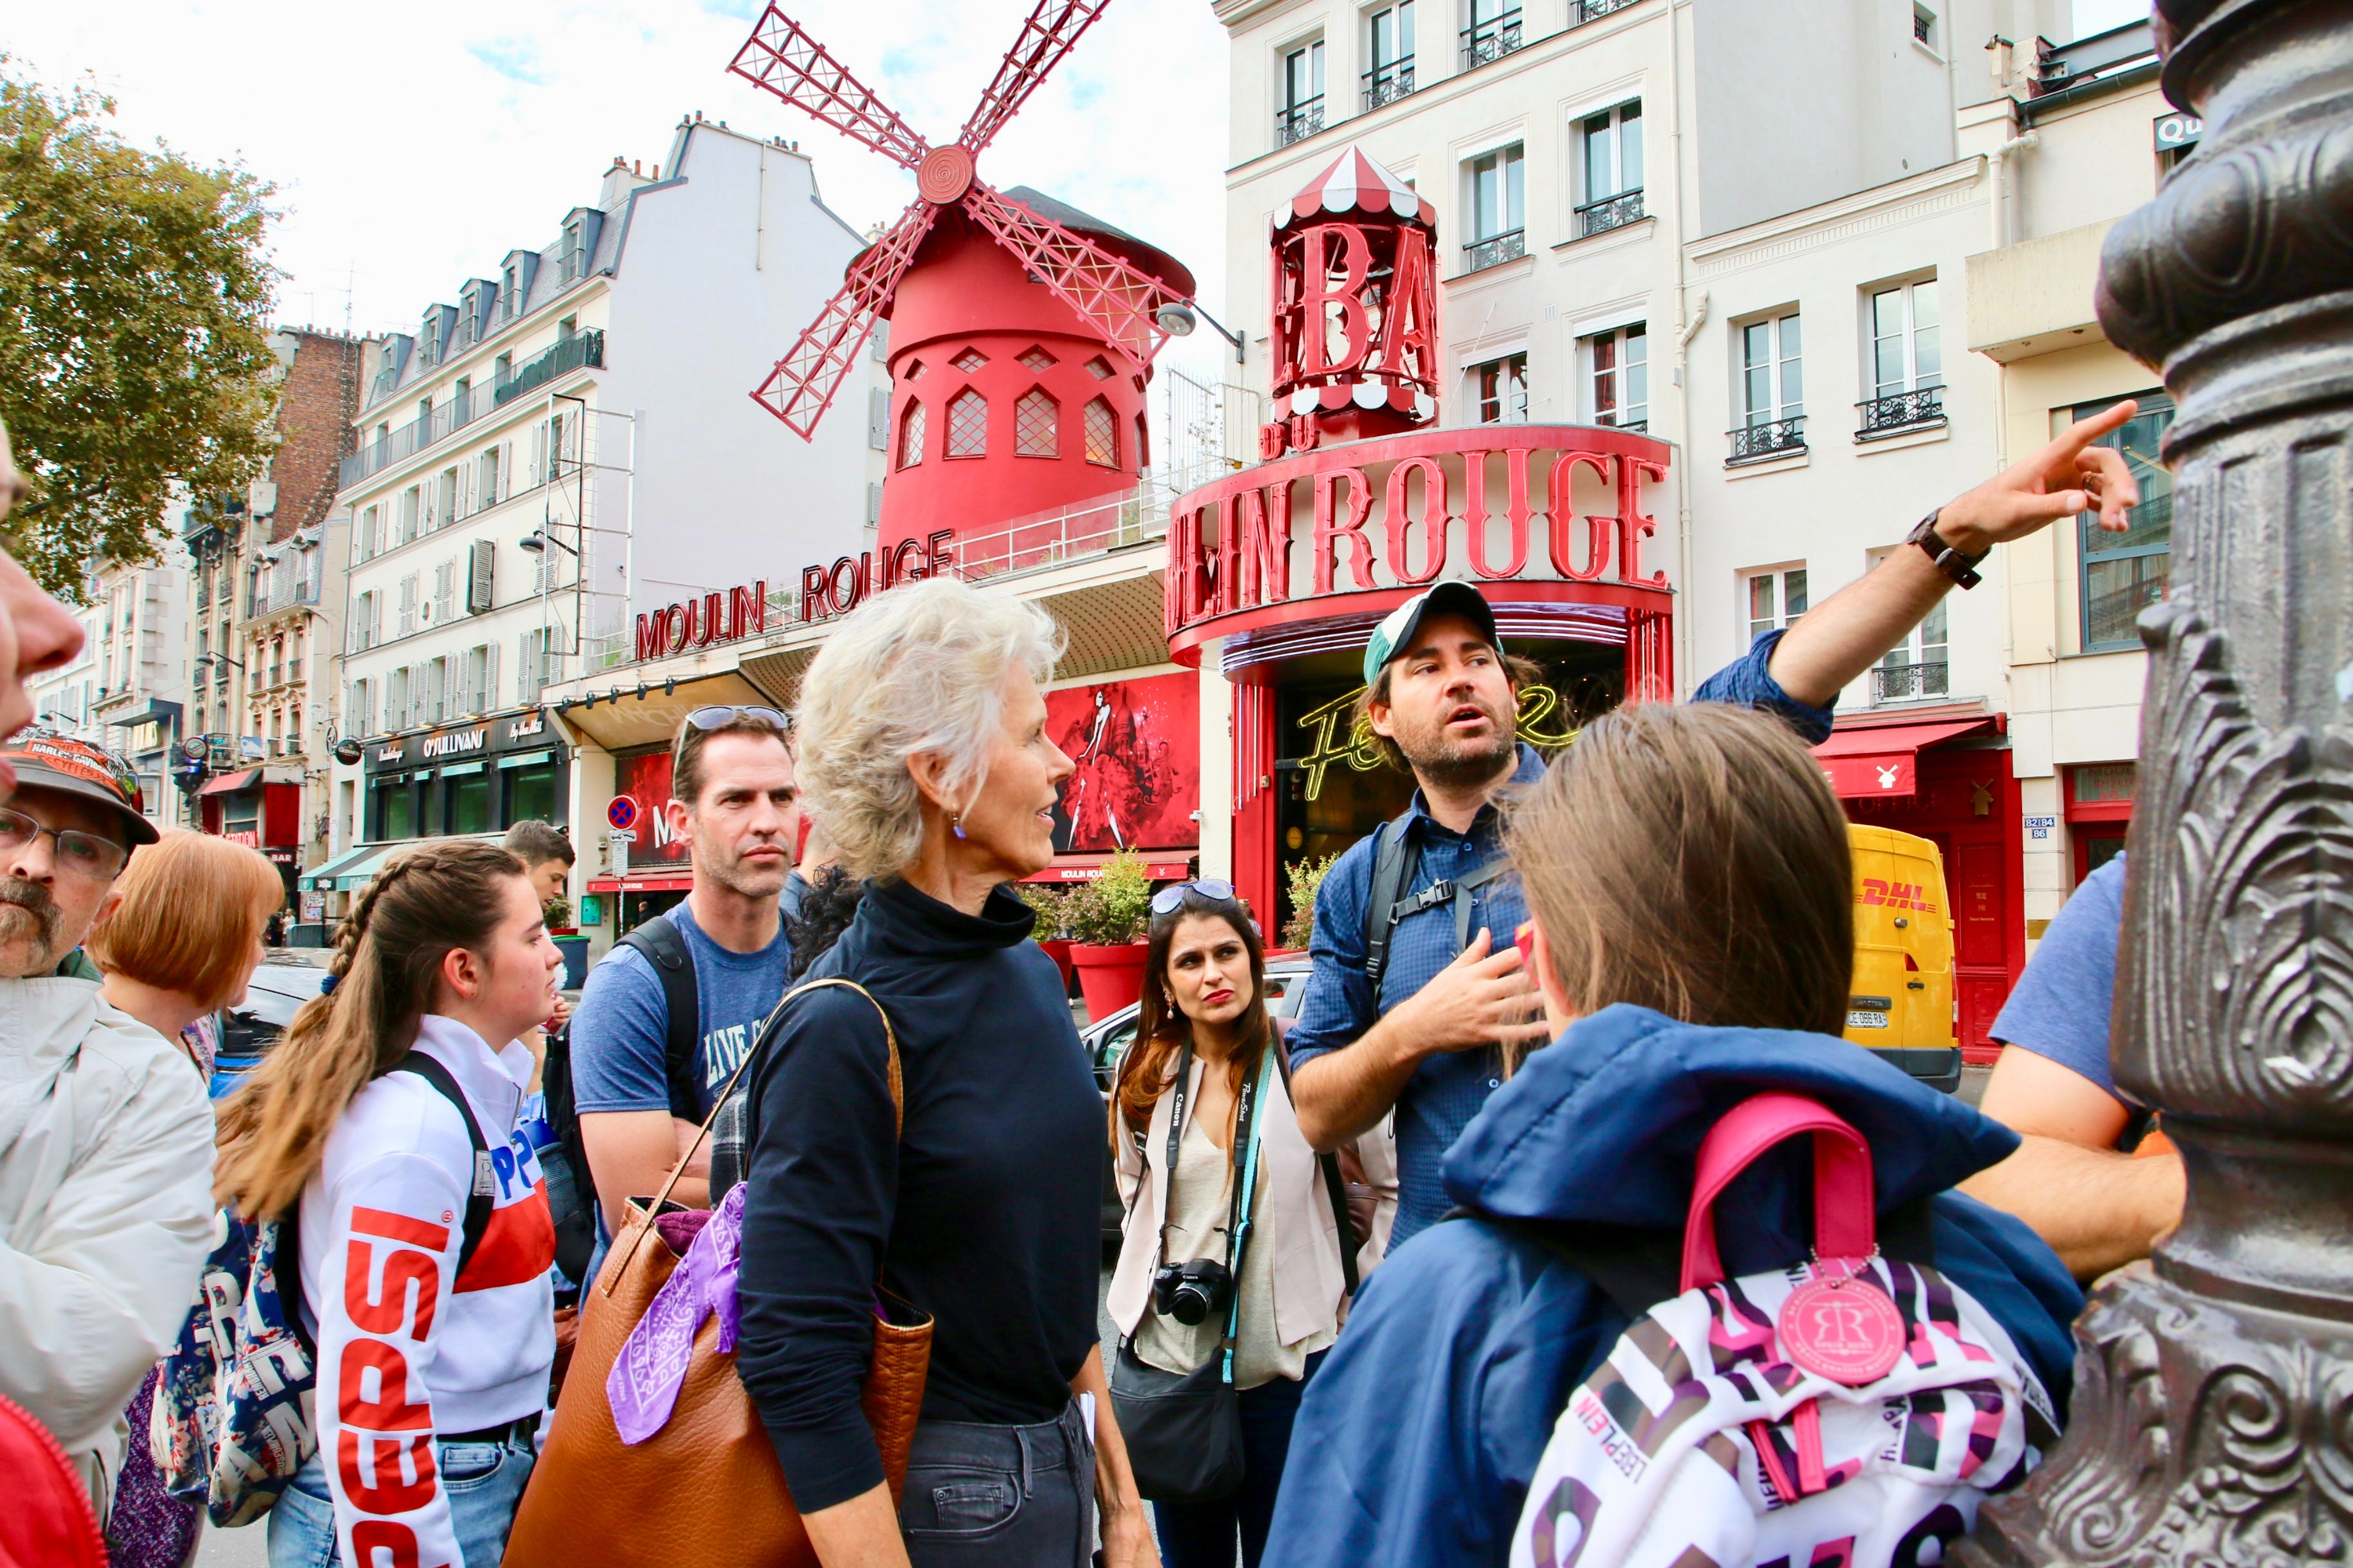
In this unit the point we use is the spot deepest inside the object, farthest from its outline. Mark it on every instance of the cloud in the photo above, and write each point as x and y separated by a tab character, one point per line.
515	62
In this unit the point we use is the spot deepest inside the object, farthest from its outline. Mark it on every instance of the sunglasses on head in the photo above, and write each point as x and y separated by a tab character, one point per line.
1170	899
719	715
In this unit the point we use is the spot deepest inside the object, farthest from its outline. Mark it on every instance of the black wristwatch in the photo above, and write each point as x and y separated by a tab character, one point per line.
1954	564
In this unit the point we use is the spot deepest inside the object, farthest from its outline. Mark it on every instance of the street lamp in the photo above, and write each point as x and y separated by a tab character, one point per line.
539	539
1178	318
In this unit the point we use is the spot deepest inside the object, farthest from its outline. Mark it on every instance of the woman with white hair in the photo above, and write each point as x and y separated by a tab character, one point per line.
923	751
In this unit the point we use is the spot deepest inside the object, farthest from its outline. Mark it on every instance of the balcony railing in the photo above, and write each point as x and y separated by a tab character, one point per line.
582	350
1610	212
1583	11
1770	437
1491	39
462	410
1388	83
299	591
1299	122
1900	411
1494	250
1639	427
1906	682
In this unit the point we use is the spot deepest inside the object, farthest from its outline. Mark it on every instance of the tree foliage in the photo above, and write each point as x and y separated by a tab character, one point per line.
134	348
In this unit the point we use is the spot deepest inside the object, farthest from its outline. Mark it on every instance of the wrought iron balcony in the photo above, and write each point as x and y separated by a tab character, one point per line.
1767	438
1639	427
1388	83
1610	212
582	350
1583	11
1299	122
1906	682
1491	39
1494	250
1900	411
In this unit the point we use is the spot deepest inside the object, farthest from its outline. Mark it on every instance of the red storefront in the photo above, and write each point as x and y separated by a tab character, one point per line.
1945	775
246	808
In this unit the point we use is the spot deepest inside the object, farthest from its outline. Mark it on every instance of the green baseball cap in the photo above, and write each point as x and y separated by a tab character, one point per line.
1396	632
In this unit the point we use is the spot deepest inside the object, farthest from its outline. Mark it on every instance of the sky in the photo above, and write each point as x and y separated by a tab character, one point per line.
413	146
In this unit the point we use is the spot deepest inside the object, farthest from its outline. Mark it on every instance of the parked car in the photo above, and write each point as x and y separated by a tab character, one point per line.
1106	1045
279	987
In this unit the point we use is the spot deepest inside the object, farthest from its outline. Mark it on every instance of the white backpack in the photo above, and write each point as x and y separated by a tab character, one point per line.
1846	1412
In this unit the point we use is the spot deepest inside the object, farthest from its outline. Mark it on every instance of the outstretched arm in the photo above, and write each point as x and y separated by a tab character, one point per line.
1850	630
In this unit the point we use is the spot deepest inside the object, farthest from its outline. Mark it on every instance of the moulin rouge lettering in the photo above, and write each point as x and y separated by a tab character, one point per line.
838	589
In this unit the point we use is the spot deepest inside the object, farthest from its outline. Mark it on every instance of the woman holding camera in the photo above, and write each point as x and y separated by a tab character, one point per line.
1204	1093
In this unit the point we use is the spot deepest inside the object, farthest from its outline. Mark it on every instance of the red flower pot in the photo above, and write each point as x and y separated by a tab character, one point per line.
1109	978
1059	949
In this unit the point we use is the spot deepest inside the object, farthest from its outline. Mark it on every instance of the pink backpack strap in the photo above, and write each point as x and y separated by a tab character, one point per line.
1844	1213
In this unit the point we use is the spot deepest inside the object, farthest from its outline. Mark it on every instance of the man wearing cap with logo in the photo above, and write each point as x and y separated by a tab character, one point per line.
1416	985
105	1132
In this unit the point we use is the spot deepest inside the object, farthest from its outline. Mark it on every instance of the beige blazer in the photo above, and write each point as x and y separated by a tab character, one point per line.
1295	1219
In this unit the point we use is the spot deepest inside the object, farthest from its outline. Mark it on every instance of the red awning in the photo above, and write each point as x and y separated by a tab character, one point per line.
658	881
1883	759
230	783
1080	866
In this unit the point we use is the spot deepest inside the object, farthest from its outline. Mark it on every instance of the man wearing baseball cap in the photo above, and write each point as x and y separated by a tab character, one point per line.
1417	986
105	1130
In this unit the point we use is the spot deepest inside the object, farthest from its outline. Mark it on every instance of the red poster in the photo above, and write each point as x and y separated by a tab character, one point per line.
646	780
1137	745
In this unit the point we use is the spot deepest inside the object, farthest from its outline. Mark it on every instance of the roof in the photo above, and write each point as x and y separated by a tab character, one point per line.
1141	254
1355	182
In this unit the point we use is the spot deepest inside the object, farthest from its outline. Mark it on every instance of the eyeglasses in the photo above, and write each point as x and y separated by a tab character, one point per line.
84	854
719	715
1170	899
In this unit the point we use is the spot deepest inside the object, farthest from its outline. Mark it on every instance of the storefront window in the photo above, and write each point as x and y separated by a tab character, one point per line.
395	811
469	804
531	795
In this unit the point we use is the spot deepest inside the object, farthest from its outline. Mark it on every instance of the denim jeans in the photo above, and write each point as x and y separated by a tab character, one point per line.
1000	1497
1201	1535
484	1482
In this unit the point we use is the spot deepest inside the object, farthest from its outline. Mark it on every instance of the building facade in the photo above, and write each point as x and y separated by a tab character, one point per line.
566	447
125	689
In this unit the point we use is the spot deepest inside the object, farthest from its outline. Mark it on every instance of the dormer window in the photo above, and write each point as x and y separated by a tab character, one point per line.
510	300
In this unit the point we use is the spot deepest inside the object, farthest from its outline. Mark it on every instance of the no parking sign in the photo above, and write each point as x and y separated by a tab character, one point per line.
622	814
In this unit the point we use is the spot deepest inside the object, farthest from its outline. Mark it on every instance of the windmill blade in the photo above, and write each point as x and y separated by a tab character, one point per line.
805	382
1052	28
781	56
1109	295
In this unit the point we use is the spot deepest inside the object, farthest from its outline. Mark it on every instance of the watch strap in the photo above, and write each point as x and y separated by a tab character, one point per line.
1955	564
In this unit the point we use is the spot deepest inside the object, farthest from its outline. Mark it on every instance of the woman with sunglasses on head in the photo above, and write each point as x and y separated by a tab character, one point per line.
923	748
1239	1259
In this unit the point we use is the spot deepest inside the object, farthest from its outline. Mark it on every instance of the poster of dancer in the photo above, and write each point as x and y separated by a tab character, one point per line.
1137	745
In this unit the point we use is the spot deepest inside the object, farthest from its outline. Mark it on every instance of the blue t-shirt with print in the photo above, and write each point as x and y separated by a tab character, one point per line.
621	1029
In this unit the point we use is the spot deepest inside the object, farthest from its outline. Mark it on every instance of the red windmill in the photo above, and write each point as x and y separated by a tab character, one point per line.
1018	315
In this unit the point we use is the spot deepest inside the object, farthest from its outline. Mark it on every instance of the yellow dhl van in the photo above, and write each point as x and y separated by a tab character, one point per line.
1901	1003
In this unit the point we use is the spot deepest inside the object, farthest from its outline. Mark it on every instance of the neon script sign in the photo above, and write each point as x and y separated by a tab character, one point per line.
1340	737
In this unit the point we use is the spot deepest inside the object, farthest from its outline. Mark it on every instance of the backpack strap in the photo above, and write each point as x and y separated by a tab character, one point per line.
1845	1211
484	1194
661	944
1397	853
1333	1188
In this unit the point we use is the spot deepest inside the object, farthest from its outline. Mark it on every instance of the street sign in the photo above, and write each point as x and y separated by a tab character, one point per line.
195	748
624	836
622	814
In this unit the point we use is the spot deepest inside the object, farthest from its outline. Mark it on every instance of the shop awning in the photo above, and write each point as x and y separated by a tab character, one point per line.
458	769
1167	865
1883	760
673	879
230	783
527	758
349	870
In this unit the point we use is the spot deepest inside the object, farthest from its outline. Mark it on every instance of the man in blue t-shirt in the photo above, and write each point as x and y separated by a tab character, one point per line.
735	806
2076	1179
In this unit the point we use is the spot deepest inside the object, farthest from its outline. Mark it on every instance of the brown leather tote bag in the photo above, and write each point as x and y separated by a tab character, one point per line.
705	1489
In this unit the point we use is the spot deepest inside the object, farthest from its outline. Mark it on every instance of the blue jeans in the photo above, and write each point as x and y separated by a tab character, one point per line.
1000	1497
484	1482
1202	1535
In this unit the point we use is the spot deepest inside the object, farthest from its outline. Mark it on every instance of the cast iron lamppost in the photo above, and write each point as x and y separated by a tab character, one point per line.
2212	1421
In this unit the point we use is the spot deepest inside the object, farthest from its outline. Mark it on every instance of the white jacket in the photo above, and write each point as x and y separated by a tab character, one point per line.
106	1159
409	1347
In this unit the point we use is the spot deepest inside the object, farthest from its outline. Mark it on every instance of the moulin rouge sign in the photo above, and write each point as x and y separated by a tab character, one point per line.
825	591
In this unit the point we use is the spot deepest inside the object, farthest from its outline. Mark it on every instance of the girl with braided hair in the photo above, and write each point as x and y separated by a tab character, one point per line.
385	1118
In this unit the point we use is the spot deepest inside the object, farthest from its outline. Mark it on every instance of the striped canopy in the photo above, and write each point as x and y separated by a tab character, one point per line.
1356	184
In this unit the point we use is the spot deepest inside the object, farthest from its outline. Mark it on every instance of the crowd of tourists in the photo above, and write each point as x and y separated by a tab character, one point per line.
785	1244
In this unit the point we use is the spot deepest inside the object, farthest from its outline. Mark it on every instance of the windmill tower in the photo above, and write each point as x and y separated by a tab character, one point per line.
1022	330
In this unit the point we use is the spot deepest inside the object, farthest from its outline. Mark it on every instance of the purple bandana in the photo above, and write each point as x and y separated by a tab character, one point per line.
644	1382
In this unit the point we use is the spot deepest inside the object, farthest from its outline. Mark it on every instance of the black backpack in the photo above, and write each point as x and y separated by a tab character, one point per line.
660	943
1396	855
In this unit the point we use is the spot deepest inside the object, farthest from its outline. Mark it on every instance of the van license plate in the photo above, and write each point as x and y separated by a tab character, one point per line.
1861	1019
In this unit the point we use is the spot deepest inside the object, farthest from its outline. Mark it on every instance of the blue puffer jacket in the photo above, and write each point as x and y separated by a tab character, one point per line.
1416	1441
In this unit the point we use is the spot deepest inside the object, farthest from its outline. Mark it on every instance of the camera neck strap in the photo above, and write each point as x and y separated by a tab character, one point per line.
1243	1161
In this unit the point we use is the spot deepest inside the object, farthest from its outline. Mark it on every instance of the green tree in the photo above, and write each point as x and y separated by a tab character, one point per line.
134	348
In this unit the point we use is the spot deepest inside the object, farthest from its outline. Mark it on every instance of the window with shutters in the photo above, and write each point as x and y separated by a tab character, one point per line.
1036	360
368	537
438	692
445	590
873	504
1037	424
1102	434
911	433
396	700
409	509
479	576
486	480
407	621
970	360
447	487
967	425
878	418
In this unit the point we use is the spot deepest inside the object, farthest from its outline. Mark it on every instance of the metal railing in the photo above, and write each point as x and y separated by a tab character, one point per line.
302	590
1610	212
1494	250
1299	120
1388	83
582	350
1491	39
1583	11
1906	682
1900	411
1769	437
462	410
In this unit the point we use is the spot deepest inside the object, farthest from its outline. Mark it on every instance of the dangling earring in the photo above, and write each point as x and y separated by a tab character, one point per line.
955	824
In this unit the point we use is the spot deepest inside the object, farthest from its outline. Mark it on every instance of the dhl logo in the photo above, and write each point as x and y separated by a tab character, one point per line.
1895	894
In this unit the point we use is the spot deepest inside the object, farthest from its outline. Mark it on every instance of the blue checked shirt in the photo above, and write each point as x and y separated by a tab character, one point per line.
1448	1087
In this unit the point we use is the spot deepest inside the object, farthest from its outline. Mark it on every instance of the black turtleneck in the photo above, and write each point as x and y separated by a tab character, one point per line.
983	1214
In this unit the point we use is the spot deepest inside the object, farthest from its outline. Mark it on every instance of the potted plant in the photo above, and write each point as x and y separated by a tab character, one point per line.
1300	880
1106	921
1051	903
568	941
